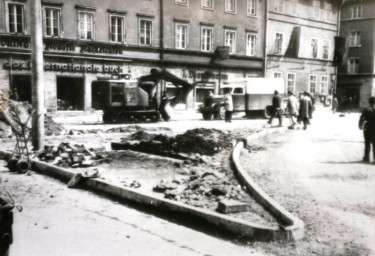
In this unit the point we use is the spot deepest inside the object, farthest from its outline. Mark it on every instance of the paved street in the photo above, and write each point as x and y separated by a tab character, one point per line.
316	174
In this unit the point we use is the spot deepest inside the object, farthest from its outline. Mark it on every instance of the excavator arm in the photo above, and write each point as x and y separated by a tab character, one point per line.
183	87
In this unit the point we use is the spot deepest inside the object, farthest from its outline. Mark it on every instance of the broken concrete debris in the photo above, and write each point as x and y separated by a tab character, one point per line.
69	155
232	206
204	189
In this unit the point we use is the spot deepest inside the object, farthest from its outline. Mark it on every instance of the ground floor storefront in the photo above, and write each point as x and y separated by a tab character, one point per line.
353	91
69	81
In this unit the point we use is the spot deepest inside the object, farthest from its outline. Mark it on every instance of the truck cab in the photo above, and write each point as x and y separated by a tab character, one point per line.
248	94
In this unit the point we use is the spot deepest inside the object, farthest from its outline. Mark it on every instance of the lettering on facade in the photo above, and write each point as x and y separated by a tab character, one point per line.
59	46
15	42
67	67
203	75
101	49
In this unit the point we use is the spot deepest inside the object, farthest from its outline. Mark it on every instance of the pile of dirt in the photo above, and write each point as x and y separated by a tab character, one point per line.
17	114
197	141
69	155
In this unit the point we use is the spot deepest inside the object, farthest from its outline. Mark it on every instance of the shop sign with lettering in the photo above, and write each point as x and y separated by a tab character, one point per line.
66	67
101	49
203	75
15	42
59	46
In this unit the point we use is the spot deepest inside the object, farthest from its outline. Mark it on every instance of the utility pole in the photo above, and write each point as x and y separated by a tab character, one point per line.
37	75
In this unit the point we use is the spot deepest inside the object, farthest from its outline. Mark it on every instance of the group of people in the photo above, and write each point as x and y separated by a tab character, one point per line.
300	111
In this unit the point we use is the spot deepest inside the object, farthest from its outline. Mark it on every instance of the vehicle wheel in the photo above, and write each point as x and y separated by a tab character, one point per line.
155	117
267	112
221	114
207	116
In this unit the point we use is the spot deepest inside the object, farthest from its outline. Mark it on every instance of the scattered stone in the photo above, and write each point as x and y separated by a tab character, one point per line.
232	206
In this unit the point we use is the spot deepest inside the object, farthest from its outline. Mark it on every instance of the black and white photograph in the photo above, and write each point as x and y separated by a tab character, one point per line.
187	127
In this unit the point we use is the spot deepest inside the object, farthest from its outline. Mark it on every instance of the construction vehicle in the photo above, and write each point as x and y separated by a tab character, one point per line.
248	94
126	100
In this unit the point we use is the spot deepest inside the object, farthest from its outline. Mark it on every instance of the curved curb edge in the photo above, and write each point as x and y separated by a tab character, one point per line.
292	227
239	227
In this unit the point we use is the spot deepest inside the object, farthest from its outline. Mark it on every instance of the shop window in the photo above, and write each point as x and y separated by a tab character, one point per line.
312	84
52	22
22	85
250	44
324	85
291	82
181	36
15	18
117	31
70	93
206	39
85	25
230	40
145	32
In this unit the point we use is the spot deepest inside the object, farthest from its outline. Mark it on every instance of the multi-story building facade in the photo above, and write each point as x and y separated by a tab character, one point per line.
86	40
300	44
356	75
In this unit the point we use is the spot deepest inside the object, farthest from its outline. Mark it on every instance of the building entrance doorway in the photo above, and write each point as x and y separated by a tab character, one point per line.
70	93
22	84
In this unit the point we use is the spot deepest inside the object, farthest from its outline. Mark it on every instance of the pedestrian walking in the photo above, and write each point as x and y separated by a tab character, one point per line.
367	124
292	108
228	105
276	108
305	110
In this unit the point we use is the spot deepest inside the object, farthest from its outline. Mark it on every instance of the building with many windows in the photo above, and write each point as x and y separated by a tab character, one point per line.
201	41
356	74
85	40
300	44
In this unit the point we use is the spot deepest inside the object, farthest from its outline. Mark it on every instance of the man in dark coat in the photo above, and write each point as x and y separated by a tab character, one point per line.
305	110
367	124
276	108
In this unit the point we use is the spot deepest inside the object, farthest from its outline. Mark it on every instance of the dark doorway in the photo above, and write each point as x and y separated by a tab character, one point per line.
70	93
23	86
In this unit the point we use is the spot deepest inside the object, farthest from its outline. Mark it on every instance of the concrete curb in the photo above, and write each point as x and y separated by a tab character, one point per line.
292	226
239	227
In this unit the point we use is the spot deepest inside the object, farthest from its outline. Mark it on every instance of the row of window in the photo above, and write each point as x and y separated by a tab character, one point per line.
230	6
314	46
317	12
86	29
313	82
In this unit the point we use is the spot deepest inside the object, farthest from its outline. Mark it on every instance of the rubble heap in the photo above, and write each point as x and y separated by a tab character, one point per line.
202	189
68	155
197	141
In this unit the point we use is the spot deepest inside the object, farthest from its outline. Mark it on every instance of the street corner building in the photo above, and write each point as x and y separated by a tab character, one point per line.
205	42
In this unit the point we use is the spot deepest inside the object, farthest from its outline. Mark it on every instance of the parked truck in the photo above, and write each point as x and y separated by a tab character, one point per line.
249	95
126	100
